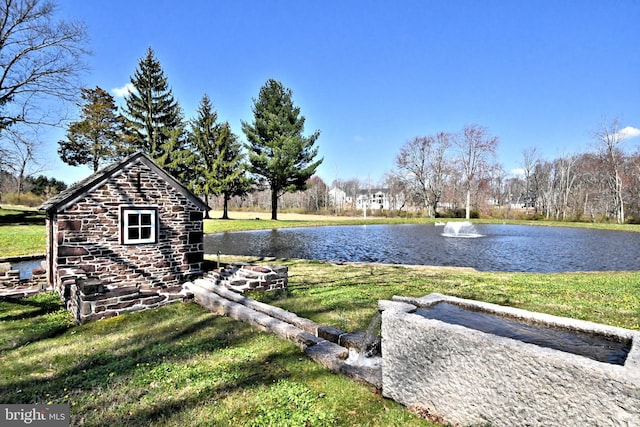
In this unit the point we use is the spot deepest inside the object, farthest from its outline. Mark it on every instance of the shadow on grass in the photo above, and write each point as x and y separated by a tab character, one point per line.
29	320
23	218
156	357
32	308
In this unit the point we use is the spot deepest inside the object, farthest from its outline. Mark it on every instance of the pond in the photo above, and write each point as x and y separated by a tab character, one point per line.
26	266
499	247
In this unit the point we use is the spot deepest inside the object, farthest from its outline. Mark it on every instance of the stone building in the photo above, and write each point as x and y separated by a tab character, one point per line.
123	239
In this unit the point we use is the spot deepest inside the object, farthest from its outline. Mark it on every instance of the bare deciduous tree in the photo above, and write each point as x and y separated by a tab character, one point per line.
476	150
18	157
530	159
422	165
608	139
40	60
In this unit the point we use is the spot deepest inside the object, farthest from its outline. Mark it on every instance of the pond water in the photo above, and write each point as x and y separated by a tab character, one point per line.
596	347
26	266
500	247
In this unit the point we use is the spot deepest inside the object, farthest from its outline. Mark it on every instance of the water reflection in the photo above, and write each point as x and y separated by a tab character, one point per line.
502	247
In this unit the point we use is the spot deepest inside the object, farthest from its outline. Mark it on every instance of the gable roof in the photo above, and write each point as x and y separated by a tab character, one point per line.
74	193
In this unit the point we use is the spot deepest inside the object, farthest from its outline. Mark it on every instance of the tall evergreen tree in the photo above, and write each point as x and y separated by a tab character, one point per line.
277	149
154	118
96	138
220	167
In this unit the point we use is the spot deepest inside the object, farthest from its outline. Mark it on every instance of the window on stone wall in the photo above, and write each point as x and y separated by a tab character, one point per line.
139	225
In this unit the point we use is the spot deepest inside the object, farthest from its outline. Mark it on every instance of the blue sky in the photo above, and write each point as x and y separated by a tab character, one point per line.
370	75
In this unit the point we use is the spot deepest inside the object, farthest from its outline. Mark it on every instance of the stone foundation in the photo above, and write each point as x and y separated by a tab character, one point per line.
243	277
88	299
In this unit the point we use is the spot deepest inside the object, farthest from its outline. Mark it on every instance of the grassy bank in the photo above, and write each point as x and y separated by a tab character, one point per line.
181	365
345	296
241	221
175	366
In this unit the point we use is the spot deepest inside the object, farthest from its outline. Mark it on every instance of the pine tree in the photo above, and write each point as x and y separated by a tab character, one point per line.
154	118
220	163
277	149
95	139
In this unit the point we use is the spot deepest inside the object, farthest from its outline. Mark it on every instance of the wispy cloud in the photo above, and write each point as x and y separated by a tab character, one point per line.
120	92
358	138
519	172
629	132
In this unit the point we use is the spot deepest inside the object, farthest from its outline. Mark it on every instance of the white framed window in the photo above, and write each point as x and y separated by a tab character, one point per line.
138	225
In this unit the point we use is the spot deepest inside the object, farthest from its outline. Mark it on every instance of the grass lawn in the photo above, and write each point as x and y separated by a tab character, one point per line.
22	231
180	365
174	366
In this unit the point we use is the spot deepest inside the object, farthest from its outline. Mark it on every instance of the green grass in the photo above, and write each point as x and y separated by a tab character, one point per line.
174	366
180	365
220	225
22	231
18	240
345	296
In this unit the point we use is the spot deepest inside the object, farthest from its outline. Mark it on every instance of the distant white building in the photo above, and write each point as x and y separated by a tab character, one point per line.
378	199
339	199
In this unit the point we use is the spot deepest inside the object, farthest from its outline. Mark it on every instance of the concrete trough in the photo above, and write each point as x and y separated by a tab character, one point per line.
451	370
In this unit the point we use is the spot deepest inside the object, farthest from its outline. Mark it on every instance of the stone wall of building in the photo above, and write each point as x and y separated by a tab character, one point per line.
87	234
89	299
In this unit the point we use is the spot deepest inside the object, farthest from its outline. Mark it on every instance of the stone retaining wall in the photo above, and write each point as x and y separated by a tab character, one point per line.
242	277
10	278
326	345
88	299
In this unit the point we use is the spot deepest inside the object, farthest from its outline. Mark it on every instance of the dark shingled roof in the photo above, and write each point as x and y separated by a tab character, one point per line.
72	194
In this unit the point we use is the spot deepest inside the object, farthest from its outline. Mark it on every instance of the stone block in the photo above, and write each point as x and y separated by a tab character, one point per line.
73	225
85	308
123	305
66	251
469	377
194	257
195	237
329	333
90	286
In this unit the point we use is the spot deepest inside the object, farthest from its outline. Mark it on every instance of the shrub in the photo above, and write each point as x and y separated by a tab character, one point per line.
459	213
22	199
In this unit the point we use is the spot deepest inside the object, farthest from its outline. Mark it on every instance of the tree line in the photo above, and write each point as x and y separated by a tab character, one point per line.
202	152
444	172
42	59
435	176
41	62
